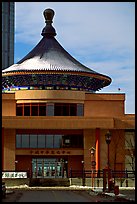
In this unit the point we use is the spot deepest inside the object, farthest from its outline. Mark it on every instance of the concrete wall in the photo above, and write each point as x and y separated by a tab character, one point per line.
8	105
101	111
108	105
9	149
89	141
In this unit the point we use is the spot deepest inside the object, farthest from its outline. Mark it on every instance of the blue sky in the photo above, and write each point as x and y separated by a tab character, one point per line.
100	35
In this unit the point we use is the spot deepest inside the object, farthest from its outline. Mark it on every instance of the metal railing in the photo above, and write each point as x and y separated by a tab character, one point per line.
99	174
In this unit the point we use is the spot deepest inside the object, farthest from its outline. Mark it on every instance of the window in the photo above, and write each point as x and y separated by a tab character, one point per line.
26	109
50	109
18	141
57	141
42	109
130	162
130	149
65	109
72	110
67	141
73	140
129	139
34	109
41	141
57	110
48	141
80	109
33	141
25	141
19	109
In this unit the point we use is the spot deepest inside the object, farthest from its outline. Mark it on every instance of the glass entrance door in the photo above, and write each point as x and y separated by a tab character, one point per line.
47	168
39	167
50	168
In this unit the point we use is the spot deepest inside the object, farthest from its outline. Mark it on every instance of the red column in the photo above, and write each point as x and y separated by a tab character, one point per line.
97	148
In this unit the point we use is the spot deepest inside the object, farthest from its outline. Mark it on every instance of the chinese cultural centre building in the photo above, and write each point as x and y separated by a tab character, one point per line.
52	115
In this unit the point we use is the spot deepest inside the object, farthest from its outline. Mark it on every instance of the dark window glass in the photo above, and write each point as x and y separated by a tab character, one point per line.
73	109
26	110
41	141
19	110
58	111
25	141
18	141
49	141
61	110
42	109
33	141
73	141
65	110
79	140
34	109
66	141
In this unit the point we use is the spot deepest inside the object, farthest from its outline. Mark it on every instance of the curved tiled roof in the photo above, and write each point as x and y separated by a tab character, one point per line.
49	58
48	55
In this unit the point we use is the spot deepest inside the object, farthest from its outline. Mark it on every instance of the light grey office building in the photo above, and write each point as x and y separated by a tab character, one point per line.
7	34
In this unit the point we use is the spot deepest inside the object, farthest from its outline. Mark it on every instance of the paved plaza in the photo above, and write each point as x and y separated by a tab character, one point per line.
125	194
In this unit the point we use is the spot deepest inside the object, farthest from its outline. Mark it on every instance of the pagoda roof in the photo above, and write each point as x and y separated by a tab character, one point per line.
49	57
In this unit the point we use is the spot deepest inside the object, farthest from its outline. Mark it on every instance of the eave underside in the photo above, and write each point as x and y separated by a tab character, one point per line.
55	81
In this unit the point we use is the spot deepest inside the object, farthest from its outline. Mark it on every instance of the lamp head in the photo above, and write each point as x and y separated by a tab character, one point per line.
92	150
108	137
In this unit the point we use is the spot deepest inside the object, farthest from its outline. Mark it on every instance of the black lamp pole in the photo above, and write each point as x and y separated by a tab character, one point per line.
83	174
108	140
93	163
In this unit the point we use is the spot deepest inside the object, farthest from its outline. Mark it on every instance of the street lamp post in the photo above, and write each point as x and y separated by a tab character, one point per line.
83	174
16	162
93	163
108	140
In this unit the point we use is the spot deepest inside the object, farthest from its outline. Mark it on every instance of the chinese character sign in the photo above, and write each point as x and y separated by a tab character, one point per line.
14	174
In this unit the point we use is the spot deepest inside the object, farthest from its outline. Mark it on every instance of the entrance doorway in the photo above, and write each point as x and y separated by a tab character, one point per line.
47	168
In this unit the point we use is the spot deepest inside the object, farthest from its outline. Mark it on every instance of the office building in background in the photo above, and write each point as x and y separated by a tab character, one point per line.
7	34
